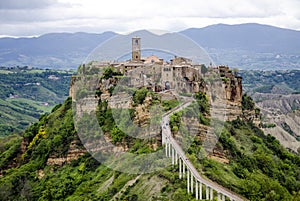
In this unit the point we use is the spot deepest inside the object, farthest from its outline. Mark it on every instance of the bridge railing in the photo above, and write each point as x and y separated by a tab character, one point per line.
171	143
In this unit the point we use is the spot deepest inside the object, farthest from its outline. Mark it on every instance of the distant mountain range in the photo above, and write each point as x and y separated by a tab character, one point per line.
53	50
248	37
245	46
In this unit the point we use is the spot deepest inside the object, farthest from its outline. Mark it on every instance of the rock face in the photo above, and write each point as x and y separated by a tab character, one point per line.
168	81
233	90
281	112
277	104
142	113
219	155
225	96
120	100
73	153
85	105
225	93
72	89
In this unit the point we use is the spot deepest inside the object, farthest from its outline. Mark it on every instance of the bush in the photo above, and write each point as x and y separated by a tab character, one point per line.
140	95
109	73
117	135
247	103
169	104
270	125
202	101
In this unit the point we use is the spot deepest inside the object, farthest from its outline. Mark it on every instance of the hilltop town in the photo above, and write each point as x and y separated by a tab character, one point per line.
141	82
177	76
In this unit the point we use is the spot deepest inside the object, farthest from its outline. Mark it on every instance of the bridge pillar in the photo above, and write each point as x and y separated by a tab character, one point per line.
200	191
192	183
188	181
197	190
176	158
211	193
183	168
170	147
173	155
219	196
180	172
166	147
207	193
223	197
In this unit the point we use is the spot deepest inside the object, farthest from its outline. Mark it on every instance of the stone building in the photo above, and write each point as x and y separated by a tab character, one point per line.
153	72
178	74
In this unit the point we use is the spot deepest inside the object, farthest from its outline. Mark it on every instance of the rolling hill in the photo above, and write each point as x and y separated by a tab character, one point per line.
53	50
25	94
249	46
248	37
245	46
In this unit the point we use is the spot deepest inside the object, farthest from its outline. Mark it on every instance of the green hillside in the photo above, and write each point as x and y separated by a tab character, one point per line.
25	94
285	81
259	168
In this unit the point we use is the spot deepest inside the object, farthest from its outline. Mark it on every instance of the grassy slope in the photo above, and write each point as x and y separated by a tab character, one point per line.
83	179
260	168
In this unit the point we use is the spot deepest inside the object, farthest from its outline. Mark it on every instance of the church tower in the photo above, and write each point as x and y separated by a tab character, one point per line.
136	49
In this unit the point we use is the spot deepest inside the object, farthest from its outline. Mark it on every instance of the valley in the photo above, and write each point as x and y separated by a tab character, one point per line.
26	94
99	134
276	93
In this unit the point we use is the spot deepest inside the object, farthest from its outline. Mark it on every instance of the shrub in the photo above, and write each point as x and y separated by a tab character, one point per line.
247	103
140	95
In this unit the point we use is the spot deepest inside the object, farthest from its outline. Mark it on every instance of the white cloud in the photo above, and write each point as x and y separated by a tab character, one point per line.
122	16
25	4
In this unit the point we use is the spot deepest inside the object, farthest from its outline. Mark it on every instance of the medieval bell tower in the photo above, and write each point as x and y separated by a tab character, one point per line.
136	49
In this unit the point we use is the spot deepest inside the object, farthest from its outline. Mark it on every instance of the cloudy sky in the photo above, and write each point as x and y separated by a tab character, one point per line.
36	17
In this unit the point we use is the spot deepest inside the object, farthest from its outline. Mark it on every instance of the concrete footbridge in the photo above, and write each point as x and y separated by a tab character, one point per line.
201	187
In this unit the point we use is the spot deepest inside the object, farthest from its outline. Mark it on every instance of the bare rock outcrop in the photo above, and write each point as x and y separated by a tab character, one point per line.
74	153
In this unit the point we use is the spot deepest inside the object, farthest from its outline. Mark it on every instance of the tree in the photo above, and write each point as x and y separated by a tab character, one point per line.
204	69
247	103
140	95
108	73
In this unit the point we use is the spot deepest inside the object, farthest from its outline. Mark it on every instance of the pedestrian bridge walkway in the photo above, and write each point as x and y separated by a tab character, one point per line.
202	188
